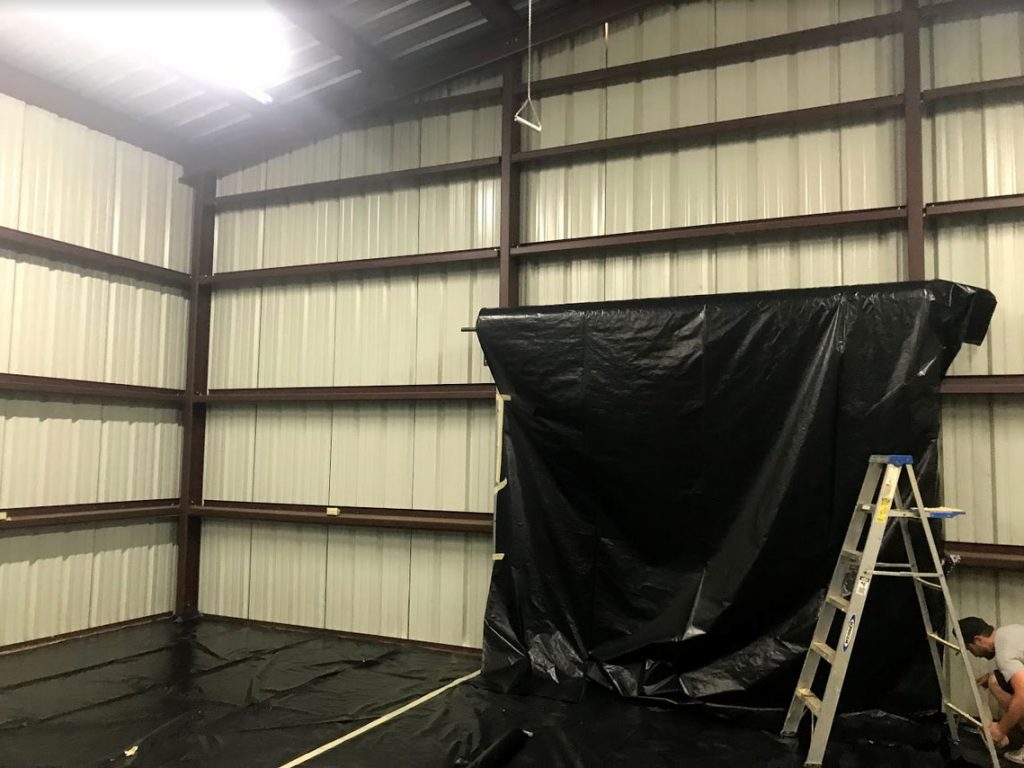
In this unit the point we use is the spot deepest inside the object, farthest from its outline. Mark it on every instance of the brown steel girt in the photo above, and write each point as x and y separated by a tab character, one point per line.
365	517
87	258
66	514
103	391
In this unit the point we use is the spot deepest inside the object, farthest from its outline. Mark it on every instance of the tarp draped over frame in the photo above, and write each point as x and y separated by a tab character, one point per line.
682	472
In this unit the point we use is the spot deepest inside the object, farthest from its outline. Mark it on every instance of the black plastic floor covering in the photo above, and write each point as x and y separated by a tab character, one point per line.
229	694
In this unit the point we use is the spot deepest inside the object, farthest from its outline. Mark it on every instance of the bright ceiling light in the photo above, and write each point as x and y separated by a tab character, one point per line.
237	45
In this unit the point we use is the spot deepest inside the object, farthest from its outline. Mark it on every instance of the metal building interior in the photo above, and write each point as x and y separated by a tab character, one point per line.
242	408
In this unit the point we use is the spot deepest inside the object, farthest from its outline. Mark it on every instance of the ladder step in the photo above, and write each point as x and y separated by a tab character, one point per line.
851	554
823	650
838	601
944	641
899	459
812	702
925	583
954	708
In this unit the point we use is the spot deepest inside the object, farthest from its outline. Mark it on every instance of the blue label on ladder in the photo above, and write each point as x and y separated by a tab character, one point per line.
849	631
900	459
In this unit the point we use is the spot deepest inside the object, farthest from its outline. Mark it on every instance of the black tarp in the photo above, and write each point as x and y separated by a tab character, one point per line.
218	694
681	473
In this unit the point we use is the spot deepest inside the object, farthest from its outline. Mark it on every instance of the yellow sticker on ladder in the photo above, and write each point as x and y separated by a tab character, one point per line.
883	510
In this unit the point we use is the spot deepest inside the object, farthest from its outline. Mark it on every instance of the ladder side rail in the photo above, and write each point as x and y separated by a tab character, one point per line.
827	612
848	632
979	702
930	630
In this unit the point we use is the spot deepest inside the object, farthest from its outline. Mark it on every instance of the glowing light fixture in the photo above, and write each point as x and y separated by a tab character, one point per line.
233	44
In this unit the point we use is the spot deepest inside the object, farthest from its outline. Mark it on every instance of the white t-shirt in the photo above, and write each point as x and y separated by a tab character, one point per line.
1010	650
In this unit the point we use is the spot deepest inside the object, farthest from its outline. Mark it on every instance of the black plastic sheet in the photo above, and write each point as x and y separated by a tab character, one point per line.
681	473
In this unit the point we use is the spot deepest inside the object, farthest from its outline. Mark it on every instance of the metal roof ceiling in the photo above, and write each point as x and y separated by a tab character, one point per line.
201	115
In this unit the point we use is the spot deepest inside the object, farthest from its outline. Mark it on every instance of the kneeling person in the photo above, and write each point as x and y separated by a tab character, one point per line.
1006	684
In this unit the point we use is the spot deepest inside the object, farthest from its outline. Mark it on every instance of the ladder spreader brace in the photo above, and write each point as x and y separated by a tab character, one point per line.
879	503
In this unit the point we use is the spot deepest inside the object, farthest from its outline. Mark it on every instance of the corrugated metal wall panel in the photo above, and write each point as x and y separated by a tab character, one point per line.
986	254
12	120
415	584
230	457
69	453
450	575
74	323
368	580
133	571
289	571
401	328
293	454
422	456
55	581
982	451
225	568
64	181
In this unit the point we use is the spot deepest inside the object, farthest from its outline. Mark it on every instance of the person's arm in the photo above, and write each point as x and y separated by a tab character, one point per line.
1014	710
1002	697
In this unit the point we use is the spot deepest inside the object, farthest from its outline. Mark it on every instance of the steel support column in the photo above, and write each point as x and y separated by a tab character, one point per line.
196	382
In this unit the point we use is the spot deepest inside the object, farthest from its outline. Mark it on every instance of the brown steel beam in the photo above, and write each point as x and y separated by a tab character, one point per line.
379	393
999	557
87	390
73	106
975	205
774	121
365	517
500	14
510	203
335	188
193	444
335	34
67	514
940	12
951	95
913	154
335	269
735	53
997	384
749	229
87	258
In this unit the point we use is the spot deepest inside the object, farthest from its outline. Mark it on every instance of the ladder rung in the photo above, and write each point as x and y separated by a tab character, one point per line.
925	583
839	602
906	574
823	650
954	708
944	641
812	702
851	554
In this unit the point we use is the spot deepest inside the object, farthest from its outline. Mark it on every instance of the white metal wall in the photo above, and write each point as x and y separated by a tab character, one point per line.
61	180
370	332
62	580
409	584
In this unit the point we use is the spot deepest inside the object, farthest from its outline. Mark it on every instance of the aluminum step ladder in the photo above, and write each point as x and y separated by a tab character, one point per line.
879	503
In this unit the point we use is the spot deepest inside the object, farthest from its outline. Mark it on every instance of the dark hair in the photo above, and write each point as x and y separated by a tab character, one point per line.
972	626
